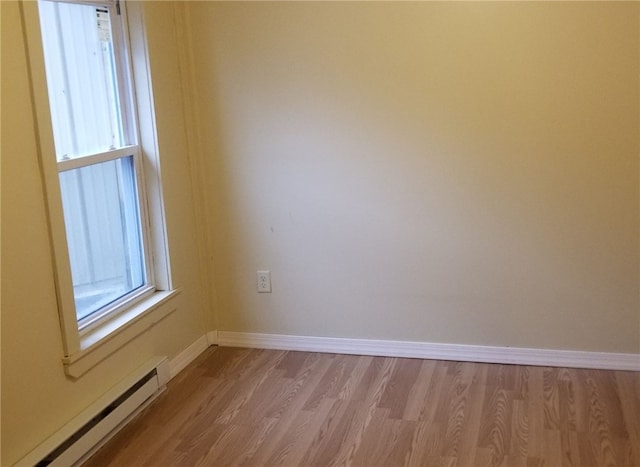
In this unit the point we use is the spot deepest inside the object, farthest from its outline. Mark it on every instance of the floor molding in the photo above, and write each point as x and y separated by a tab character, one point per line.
212	338
457	352
180	361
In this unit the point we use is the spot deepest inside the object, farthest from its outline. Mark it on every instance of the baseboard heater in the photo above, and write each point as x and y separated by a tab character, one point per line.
86	433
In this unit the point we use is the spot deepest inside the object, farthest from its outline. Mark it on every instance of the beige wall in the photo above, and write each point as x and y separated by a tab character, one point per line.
37	399
440	172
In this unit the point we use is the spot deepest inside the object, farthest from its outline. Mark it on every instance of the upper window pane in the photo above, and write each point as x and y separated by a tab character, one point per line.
82	80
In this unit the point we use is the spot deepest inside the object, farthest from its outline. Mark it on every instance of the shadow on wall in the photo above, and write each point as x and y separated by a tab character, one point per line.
462	173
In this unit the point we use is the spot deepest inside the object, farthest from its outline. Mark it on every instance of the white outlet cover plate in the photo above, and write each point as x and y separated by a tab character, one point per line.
264	281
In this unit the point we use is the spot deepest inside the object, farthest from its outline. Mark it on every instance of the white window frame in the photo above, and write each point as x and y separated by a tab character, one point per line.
84	348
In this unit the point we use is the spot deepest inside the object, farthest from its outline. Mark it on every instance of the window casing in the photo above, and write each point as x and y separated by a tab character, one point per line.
96	150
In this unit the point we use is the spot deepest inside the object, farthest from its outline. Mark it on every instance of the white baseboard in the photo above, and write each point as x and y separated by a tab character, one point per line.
180	361
212	338
456	352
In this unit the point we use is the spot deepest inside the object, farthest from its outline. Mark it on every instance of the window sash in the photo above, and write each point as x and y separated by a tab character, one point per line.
104	235
97	158
95	71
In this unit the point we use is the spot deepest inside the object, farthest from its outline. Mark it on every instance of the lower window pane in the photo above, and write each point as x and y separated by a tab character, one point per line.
103	231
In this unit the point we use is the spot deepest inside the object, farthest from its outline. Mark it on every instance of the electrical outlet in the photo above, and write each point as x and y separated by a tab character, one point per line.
264	281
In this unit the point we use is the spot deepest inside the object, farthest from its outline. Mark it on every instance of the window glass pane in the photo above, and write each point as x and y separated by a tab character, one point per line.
103	231
81	78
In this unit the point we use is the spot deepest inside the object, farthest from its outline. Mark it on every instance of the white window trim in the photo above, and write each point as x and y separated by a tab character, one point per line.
75	163
83	350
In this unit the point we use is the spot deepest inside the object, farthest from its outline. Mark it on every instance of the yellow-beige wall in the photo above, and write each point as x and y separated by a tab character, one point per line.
440	172
457	172
37	398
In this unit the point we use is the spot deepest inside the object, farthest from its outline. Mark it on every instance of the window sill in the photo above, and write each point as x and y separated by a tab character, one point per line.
102	341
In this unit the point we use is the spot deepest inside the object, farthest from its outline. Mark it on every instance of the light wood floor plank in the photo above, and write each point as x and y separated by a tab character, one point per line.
243	407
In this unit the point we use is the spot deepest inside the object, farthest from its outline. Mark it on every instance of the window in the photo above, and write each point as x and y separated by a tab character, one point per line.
97	155
97	146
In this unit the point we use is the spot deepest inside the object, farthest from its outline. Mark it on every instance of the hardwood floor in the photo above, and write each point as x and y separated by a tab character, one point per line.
266	407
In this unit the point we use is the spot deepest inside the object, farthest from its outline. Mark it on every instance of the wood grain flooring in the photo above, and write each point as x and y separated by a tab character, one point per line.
267	408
